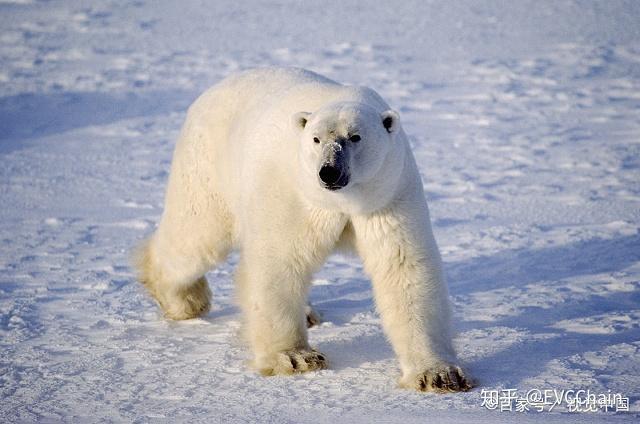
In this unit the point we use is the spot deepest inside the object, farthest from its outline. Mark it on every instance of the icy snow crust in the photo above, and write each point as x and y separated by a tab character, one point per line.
525	122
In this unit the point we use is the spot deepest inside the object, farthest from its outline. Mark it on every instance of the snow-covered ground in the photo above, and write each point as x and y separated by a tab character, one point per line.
525	119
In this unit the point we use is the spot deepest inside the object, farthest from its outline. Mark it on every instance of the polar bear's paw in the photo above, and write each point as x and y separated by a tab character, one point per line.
189	302
295	361
441	379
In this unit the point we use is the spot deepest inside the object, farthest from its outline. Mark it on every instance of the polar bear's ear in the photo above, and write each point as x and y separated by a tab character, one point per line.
390	120
300	119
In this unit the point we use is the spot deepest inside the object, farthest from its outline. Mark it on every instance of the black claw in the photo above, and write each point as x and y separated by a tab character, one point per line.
455	385
437	381
294	363
447	383
449	379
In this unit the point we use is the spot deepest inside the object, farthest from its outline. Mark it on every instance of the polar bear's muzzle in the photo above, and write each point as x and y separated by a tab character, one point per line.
334	172
333	177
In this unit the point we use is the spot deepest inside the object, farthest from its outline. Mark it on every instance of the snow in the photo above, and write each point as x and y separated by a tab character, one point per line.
525	121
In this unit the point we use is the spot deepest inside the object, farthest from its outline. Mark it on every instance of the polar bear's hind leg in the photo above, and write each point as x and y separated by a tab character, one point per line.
194	235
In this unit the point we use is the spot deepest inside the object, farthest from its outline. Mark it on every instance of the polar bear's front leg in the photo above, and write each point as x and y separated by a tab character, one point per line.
400	254
273	297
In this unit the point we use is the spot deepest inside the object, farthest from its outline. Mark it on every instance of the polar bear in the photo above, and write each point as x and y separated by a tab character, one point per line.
285	166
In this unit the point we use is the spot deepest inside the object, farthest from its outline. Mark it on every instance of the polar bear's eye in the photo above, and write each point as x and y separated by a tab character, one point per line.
354	138
316	140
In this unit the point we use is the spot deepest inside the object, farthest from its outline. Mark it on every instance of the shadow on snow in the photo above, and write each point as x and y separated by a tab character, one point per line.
29	115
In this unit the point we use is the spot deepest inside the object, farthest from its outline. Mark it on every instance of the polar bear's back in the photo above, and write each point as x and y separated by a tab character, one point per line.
238	107
242	92
265	82
250	95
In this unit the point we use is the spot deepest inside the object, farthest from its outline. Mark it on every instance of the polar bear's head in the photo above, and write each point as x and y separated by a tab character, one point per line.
350	155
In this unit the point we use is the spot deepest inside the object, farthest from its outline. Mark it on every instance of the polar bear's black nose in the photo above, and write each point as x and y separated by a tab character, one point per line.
334	177
330	175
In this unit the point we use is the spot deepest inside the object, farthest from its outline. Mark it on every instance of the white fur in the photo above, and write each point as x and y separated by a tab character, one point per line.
245	176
